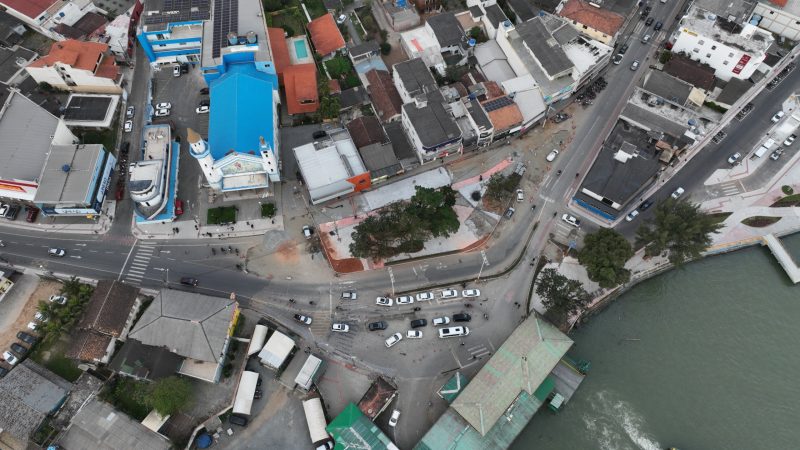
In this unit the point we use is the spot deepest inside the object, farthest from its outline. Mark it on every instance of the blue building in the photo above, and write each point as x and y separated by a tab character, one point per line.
172	30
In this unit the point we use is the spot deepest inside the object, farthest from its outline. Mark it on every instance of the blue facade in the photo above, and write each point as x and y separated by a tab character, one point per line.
151	48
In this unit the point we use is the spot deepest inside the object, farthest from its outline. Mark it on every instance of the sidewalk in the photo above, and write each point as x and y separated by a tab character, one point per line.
70	225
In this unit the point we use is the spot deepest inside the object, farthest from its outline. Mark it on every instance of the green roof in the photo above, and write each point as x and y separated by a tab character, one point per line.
353	430
453	387
521	364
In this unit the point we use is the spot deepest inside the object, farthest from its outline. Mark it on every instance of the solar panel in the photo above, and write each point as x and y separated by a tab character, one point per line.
497	103
226	20
178	11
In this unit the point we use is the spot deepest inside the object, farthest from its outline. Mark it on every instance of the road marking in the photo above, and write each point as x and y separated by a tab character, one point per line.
126	260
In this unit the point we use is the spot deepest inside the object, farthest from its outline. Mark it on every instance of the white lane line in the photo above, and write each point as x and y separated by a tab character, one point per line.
119	277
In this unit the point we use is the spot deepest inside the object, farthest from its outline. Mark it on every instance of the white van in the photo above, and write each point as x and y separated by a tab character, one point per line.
761	151
769	143
453	332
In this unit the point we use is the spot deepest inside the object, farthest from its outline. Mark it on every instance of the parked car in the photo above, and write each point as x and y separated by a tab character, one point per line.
205	102
26	337
12	212
632	215
204	91
176	71
340	327
130	111
189	281
307	231
552	155
258	394
10	358
393	339
341	19
789	140
162	112
678	192
449	293
184	68
414	334
648	22
623	49
3	372
424	296
203	109
128	127
775	155
471	293
57	252
60	299
572	220
384	301
441	321
520	195
405	300
164	105
238	420
417	323
461	317
303	319
453	332
635	64
33	326
394	418
41	317
19	349
3	209
379	325
510	212
178	207
617	59
734	157
349	295
778	116
658	26
645	204
33	212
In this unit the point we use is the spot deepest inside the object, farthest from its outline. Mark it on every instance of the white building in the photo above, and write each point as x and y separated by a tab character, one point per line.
440	42
734	50
44	15
79	67
781	20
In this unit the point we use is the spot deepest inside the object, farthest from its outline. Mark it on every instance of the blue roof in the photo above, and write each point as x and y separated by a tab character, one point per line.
242	110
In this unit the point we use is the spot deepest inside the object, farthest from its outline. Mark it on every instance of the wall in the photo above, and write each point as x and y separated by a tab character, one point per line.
511	54
85	81
591	32
778	21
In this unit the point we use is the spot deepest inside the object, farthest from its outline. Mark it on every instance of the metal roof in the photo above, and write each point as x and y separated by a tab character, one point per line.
84	107
276	350
352	430
69	174
546	48
448	29
415	76
433	124
26	133
520	364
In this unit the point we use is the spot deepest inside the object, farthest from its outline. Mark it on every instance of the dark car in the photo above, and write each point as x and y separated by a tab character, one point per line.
126	146
204	91
12	212
205	102
658	26
623	49
258	394
184	68
33	212
19	349
238	420
649	21
3	372
416	323
319	134
26	338
461	317
379	325
645	204
189	281
510	212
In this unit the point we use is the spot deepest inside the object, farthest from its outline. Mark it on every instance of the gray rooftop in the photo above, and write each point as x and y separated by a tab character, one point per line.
98	426
447	29
496	15
667	87
649	118
188	324
545	48
12	60
433	124
364	48
476	11
734	10
524	9
26	132
380	160
415	76
30	392
400	144
87	107
733	90
478	114
74	185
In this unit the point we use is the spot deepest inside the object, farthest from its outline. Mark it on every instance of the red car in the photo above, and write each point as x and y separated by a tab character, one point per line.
32	213
120	192
178	207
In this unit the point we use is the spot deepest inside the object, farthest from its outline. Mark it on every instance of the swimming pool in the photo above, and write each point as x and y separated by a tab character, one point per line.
300	49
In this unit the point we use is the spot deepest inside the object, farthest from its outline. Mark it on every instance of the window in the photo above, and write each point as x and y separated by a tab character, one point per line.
730	55
713	47
696	50
724	63
708	55
585	27
701	42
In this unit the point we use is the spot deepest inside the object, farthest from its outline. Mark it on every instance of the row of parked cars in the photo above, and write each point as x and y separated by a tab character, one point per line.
11	210
20	350
427	296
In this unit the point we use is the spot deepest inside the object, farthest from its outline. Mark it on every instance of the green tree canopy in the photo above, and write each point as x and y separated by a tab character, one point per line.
169	395
604	254
679	228
560	295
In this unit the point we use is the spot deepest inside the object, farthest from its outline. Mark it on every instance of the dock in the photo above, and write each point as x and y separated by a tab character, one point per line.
784	258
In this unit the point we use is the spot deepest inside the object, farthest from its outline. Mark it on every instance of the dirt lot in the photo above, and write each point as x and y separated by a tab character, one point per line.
24	308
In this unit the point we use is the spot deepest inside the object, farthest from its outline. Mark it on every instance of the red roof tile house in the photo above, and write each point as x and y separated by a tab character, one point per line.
505	116
325	36
384	95
597	23
300	82
79	67
280	52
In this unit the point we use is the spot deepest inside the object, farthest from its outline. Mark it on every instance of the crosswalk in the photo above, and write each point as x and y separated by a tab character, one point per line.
729	188
139	263
321	324
478	351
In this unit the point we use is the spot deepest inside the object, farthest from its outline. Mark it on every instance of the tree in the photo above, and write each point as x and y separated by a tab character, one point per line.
434	207
328	104
169	395
386	48
604	254
478	34
679	228
560	295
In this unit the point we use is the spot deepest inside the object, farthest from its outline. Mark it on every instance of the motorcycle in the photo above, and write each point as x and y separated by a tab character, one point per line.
558	174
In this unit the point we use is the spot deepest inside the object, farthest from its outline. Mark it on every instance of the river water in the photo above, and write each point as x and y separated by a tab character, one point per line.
704	357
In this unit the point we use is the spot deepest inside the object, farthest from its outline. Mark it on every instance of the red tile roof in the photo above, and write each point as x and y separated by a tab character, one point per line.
780	3
280	52
325	35
80	55
334	86
503	118
493	90
384	94
300	82
31	8
366	130
601	20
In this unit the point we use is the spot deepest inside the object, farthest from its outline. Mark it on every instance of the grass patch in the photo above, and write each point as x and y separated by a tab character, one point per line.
316	8
268	210
222	215
760	221
128	396
106	137
720	216
789	200
51	355
291	20
718	108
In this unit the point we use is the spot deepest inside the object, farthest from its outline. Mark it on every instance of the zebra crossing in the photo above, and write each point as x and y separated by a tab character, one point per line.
321	323
139	263
729	188
478	351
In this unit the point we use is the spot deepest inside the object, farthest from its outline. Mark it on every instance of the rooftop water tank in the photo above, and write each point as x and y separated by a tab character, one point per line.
232	38
251	37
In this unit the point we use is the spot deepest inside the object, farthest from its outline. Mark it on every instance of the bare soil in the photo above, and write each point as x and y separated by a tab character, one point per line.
45	289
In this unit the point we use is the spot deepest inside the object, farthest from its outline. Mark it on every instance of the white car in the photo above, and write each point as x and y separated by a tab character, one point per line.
128	127
340	327
341	19
41	317
58	252
202	109
176	71
635	64
414	334
393	419
678	192
349	295
164	105
571	220
405	300
449	293
789	140
470	293
552	155
10	358
307	231
520	195
777	117
162	112
33	326
303	319
617	58
130	112
393	339
632	215
4	209
384	301
424	296
441	321
734	157
60	299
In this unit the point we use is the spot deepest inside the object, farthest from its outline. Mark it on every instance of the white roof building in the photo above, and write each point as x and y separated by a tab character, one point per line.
257	341
528	97
332	168
277	349
245	393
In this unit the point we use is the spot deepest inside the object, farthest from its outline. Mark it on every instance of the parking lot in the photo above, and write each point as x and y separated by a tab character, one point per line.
19	306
